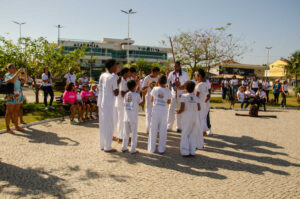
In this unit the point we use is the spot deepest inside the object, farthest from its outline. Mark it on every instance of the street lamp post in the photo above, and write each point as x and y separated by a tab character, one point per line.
268	58
58	32
129	12
20	28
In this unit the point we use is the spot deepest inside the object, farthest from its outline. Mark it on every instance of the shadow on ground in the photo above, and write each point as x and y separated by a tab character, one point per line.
205	165
47	137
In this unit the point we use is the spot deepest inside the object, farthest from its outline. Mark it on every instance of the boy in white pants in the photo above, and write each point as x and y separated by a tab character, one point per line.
125	74
109	88
189	110
203	94
161	97
132	100
148	84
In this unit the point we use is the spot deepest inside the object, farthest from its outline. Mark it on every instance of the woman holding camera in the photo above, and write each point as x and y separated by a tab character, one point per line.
15	100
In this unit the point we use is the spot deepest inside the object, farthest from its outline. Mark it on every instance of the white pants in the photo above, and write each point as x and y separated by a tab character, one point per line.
149	106
106	128
120	127
115	111
130	127
171	114
203	126
158	124
100	131
190	128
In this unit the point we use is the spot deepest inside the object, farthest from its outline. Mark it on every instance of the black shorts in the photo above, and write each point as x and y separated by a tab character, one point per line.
87	102
66	107
94	101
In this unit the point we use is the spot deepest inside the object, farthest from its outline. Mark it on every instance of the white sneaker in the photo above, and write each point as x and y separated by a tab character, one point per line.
46	108
209	132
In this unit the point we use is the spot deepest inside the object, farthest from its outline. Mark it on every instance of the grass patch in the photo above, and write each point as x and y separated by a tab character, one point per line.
36	112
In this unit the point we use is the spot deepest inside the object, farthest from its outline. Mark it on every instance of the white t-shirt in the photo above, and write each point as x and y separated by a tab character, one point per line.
146	83
285	87
161	97
249	93
225	83
79	98
298	95
109	84
190	102
131	101
46	77
245	82
261	95
265	85
241	94
255	84
182	79
122	87
202	88
70	78
234	82
83	81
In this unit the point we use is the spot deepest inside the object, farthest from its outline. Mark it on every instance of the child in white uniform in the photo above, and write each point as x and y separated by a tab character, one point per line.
120	102
132	100
203	94
109	89
148	84
189	109
161	97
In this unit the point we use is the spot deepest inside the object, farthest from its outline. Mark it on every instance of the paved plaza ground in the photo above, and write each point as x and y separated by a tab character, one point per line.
245	158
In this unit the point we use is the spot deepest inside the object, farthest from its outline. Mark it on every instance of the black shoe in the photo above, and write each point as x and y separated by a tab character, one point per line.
179	130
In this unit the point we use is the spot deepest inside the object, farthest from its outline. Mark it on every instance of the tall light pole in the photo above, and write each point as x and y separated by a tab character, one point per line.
268	48
58	32
20	28
129	12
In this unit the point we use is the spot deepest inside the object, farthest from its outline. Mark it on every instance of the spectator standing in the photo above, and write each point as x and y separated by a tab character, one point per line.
254	84
225	85
266	87
70	76
261	97
13	101
276	91
245	82
47	87
284	93
234	84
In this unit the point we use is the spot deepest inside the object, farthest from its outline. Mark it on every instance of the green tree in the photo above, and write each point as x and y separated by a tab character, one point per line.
205	47
293	67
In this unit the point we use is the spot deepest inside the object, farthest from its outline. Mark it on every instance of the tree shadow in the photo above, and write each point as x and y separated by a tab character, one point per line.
39	136
32	181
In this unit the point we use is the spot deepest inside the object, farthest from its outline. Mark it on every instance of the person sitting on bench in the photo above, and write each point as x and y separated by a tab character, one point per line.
261	97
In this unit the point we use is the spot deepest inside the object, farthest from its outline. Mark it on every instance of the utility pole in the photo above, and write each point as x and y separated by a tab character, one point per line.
268	58
20	29
58	33
129	12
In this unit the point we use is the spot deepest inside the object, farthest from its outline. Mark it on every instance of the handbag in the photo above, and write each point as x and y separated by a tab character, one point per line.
6	88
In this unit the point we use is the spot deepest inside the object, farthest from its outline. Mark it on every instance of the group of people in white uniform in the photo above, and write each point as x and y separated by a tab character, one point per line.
121	96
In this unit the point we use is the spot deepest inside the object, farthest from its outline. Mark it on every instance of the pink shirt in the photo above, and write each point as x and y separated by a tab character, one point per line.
69	96
86	94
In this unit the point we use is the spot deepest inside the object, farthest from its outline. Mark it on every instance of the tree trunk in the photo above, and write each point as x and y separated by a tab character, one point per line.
36	90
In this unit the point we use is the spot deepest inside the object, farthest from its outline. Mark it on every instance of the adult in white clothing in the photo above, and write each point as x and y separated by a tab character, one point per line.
176	79
109	88
150	81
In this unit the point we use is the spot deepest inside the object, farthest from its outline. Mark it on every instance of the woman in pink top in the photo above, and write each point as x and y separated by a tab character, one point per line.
87	97
70	102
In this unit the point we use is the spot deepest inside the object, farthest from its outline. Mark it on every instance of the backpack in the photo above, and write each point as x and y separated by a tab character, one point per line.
6	88
253	112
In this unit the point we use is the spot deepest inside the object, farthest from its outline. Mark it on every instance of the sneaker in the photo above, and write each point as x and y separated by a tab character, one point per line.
52	107
74	122
46	108
209	132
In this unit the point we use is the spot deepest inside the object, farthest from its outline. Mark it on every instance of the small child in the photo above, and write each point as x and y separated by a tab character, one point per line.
161	97
132	100
189	108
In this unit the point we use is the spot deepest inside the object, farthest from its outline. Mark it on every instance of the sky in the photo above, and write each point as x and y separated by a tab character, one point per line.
258	23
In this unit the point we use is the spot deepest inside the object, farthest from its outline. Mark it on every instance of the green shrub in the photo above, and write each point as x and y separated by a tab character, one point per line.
296	90
216	100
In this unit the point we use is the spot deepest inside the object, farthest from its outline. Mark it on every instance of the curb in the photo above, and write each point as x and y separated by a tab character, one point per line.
35	123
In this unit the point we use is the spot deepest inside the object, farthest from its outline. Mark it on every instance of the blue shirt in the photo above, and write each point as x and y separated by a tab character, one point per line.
276	88
17	83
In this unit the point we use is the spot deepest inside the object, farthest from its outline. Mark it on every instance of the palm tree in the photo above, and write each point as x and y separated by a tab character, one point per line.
293	67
